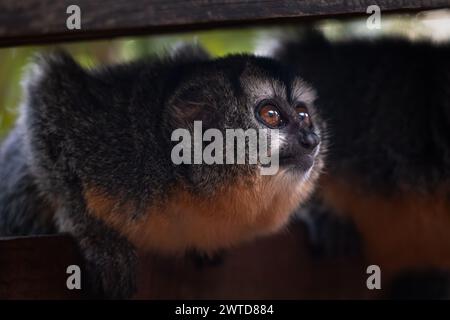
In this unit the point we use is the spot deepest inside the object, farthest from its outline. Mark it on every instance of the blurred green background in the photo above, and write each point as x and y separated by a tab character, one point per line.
434	25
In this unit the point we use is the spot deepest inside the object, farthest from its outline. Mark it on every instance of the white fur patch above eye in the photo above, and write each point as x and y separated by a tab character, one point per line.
302	91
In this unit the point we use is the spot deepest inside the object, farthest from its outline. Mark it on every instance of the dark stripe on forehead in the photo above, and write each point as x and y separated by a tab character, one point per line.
234	66
278	71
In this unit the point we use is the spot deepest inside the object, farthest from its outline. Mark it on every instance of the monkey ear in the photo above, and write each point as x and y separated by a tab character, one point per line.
192	102
189	52
184	112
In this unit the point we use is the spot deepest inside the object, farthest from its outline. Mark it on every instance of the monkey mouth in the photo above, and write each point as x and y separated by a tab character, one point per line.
298	162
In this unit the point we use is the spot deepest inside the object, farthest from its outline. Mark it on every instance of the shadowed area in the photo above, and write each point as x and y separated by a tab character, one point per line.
276	267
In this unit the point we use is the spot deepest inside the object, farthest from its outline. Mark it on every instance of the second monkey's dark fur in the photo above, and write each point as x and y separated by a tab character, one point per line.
387	103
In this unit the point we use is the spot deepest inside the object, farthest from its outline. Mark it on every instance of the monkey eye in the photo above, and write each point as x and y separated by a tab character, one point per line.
270	116
303	115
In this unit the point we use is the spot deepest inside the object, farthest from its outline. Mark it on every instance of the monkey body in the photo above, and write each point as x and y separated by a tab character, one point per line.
94	148
387	105
242	211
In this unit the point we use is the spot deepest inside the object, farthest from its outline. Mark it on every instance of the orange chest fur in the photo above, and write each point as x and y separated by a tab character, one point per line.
403	230
187	221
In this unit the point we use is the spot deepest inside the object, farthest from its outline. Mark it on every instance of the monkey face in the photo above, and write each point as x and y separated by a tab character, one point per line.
298	140
246	93
286	104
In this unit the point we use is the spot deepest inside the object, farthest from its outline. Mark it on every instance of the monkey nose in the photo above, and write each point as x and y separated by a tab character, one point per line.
309	140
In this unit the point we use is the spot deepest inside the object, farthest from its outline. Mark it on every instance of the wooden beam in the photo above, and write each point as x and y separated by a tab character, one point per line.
43	21
276	267
35	267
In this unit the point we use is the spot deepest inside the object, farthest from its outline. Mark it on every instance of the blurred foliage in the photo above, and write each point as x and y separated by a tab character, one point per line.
13	61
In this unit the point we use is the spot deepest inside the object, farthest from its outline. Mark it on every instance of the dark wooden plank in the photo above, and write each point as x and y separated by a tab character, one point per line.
277	267
36	21
35	267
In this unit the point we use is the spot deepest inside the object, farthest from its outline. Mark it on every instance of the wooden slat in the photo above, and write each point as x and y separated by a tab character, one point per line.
277	267
37	21
35	267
